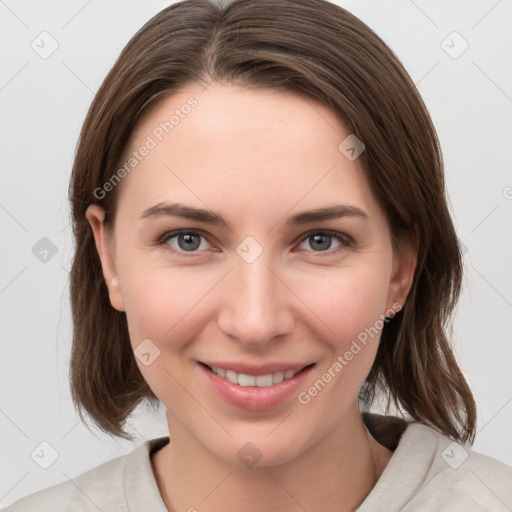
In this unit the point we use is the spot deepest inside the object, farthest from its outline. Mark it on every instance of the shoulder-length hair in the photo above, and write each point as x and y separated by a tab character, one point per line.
312	48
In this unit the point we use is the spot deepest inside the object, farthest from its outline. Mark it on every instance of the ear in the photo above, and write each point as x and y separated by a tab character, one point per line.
104	245
405	258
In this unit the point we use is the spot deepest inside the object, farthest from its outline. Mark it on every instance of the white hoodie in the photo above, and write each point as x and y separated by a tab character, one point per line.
427	472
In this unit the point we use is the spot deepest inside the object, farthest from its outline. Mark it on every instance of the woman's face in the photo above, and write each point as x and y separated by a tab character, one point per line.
215	262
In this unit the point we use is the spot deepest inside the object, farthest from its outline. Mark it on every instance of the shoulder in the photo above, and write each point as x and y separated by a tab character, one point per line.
460	478
93	490
429	471
100	488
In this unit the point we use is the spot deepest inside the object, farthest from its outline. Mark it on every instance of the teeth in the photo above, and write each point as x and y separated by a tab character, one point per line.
289	374
247	380
261	381
278	377
232	376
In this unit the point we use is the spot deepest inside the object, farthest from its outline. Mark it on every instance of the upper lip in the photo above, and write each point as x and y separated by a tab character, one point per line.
253	369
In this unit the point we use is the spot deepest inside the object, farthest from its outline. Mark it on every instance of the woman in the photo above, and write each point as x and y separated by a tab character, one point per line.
263	245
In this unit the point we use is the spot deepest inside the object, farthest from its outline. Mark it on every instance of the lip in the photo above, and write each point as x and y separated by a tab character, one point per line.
253	398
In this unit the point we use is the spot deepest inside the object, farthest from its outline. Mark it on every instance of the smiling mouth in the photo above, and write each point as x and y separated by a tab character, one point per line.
261	381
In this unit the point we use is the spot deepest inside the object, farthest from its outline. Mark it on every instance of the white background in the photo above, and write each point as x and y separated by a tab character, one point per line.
43	103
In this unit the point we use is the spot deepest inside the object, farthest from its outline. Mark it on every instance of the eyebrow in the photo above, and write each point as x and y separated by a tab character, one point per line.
211	217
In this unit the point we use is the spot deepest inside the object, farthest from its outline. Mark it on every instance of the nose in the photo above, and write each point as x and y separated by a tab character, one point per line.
256	306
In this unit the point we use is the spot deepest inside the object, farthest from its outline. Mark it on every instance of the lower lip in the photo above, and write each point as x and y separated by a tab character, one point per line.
253	398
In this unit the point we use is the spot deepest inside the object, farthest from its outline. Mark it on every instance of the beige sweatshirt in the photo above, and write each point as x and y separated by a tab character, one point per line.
427	472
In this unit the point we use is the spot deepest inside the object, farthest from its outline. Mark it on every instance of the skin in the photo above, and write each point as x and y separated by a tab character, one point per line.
256	157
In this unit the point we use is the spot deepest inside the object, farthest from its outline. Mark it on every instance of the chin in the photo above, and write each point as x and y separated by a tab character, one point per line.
265	447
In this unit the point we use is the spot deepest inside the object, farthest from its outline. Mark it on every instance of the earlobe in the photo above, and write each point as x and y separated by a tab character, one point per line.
95	215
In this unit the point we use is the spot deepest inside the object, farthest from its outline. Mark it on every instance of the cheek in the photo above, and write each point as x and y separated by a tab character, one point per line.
165	303
351	306
348	300
166	306
354	312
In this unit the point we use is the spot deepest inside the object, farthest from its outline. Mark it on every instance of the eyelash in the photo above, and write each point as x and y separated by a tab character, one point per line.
344	240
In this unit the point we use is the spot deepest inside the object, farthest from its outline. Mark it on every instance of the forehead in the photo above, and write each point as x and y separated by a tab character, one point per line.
244	148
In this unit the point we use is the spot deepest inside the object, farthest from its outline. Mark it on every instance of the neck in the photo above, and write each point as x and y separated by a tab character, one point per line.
191	477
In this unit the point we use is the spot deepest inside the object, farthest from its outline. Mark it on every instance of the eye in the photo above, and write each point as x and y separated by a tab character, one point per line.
190	241
322	241
183	241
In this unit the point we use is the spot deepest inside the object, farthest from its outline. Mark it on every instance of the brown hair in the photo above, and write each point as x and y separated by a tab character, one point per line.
312	48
